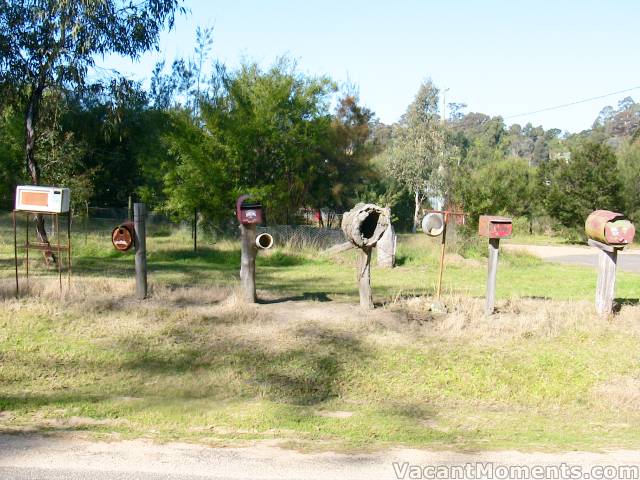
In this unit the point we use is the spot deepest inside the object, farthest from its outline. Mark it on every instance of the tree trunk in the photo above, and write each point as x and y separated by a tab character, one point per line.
248	262
364	278
33	169
416	212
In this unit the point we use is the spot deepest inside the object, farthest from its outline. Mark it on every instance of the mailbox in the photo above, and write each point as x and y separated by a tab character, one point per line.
123	236
610	228
433	224
42	199
491	226
249	213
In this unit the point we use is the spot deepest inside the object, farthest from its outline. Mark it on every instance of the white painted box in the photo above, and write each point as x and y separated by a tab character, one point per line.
42	199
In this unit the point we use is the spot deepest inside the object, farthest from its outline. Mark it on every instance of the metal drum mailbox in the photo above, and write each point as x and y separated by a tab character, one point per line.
249	213
492	226
610	228
123	236
433	224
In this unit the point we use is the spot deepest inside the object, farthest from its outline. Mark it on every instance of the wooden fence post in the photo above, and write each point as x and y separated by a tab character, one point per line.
606	286
139	214
364	277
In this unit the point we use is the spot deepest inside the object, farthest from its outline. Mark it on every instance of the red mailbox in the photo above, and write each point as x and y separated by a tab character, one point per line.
610	228
492	226
123	236
249	213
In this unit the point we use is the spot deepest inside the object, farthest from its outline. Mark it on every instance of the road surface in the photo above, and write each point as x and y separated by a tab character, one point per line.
36	457
628	260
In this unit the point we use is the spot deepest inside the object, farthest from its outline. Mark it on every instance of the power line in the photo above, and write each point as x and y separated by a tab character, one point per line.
573	103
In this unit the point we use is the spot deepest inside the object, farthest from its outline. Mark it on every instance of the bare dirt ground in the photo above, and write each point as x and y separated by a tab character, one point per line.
35	456
628	260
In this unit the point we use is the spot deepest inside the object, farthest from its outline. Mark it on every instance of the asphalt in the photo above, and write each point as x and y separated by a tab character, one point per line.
59	457
628	259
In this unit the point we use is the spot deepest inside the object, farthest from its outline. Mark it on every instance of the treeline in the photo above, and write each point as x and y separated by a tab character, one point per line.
203	133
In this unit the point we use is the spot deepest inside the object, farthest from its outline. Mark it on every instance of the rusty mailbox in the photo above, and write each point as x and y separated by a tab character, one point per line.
610	228
492	226
123	236
249	213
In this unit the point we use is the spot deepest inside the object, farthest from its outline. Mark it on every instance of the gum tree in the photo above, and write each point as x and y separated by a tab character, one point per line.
50	45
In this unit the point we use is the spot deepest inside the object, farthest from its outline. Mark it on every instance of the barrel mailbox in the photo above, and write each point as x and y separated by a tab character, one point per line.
492	226
249	213
123	236
610	228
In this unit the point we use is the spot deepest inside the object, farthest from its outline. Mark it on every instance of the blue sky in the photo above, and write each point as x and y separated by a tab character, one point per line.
499	57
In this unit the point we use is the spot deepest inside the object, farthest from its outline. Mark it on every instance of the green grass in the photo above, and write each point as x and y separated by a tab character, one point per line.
308	368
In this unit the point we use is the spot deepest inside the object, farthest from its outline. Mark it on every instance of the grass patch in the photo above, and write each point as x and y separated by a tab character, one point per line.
306	366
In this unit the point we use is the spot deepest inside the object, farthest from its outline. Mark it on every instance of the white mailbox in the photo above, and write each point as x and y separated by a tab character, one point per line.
42	199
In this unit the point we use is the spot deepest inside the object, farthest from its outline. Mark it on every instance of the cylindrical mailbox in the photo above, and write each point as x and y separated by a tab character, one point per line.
264	241
433	224
123	236
610	228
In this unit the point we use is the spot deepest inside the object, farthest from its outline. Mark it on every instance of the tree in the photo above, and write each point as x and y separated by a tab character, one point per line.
50	44
415	153
588	181
629	167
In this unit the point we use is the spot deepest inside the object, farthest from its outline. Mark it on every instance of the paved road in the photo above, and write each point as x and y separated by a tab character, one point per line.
35	457
628	260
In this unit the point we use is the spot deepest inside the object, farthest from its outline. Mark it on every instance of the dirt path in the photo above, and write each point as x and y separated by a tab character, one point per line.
628	260
35	456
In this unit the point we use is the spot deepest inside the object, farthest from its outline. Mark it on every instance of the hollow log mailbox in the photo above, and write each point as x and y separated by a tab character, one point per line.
250	215
494	228
609	232
123	236
364	225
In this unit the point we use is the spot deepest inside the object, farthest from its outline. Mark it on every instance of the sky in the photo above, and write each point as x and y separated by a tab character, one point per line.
499	57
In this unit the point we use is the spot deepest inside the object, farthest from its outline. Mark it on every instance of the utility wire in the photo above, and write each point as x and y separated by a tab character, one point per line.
572	103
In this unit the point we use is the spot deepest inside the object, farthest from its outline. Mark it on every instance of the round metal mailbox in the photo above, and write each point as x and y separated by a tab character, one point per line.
123	236
610	228
433	224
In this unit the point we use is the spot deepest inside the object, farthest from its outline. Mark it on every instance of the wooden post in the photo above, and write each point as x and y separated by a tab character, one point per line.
15	251
248	262
139	214
606	286
130	208
494	245
195	229
364	278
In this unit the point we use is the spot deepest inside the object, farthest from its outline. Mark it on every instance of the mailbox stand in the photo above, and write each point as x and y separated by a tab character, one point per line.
492	271
248	261
493	228
607	266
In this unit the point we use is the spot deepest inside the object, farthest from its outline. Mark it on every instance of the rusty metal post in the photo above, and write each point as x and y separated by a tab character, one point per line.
442	251
15	250
27	247
57	223
69	249
139	214
195	229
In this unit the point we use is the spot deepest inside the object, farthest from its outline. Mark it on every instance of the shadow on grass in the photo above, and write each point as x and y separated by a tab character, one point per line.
618	303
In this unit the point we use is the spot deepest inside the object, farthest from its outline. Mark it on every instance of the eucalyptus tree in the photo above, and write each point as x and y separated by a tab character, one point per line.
51	44
415	155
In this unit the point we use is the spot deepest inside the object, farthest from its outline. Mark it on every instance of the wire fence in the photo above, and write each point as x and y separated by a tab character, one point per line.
94	253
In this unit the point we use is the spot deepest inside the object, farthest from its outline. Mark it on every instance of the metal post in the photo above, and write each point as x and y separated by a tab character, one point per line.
27	247
69	250
57	223
494	245
442	248
15	250
139	214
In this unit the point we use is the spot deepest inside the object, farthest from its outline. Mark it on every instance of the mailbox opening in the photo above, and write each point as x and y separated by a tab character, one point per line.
369	224
433	224
264	241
